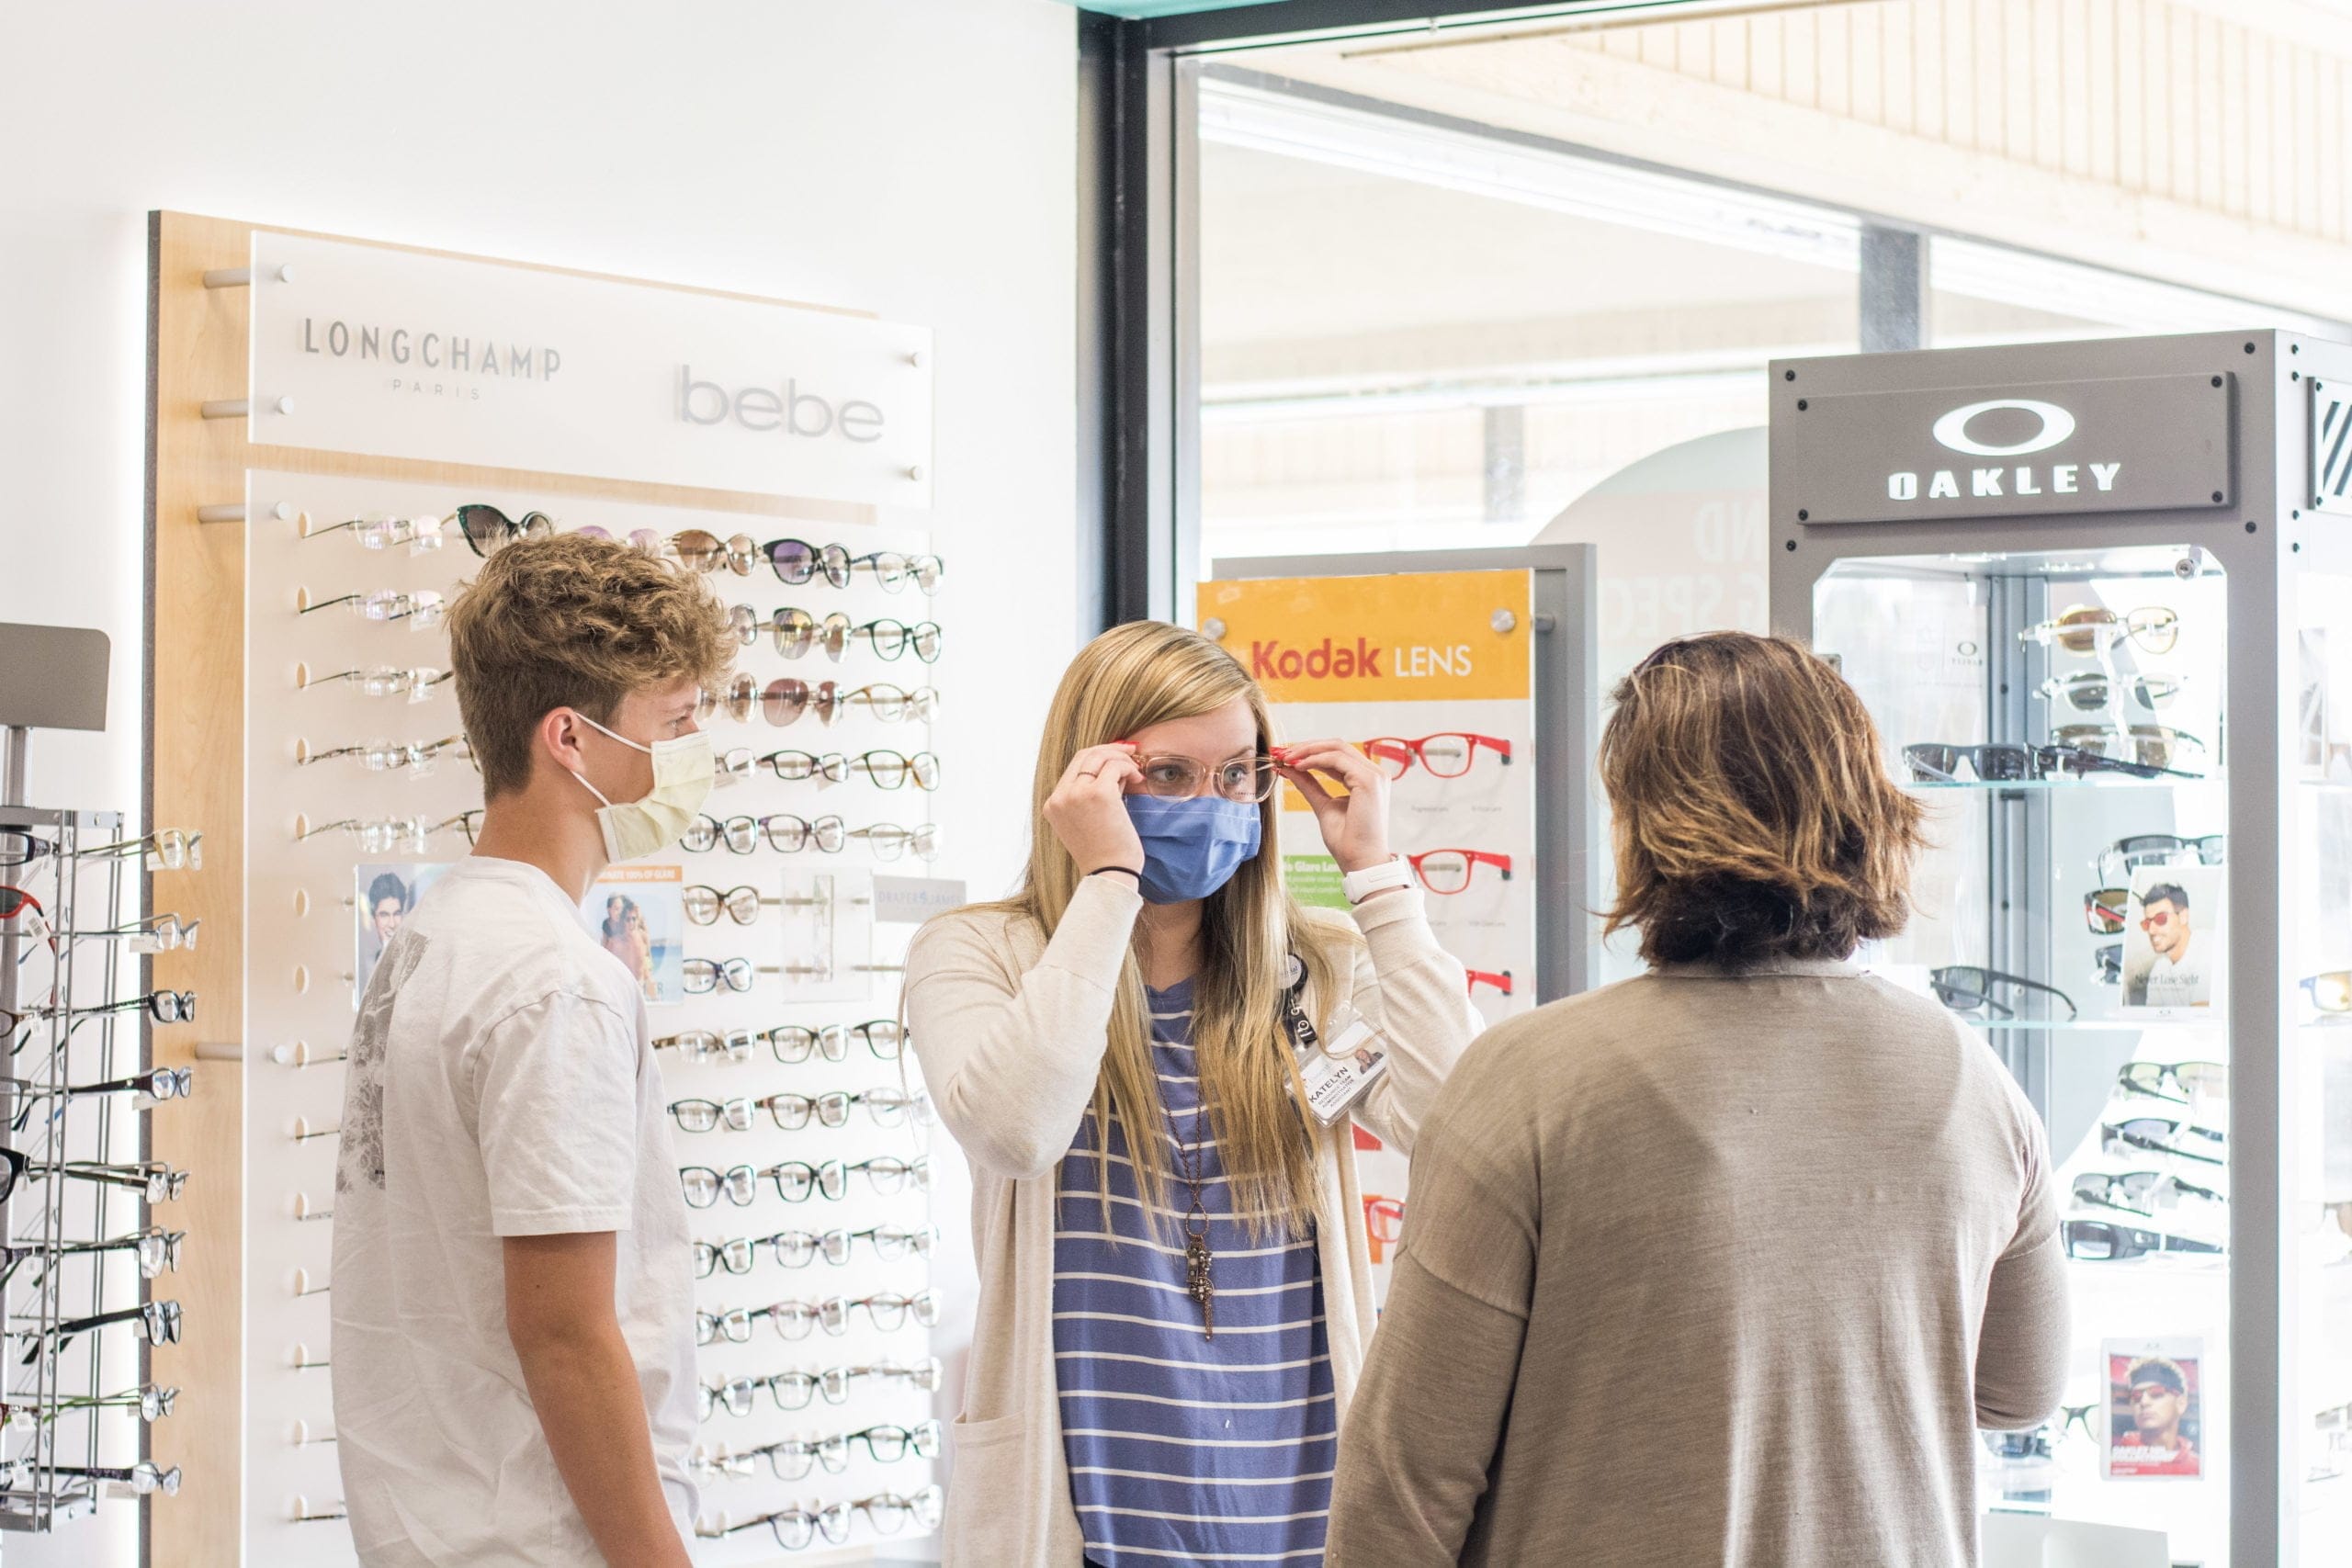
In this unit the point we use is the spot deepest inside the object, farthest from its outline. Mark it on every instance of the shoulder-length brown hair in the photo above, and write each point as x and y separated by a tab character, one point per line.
1753	817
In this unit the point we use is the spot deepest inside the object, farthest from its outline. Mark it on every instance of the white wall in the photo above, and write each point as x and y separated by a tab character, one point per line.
912	157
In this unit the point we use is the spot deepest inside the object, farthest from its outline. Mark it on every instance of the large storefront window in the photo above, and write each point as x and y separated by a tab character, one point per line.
1412	339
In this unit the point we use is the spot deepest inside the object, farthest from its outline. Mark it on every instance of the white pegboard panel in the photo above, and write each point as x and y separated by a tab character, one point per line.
304	951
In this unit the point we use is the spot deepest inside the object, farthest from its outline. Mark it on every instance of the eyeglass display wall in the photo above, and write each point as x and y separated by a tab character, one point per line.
2098	598
794	1107
299	677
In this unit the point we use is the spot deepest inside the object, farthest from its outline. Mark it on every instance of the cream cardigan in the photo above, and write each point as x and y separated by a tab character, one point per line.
1010	1029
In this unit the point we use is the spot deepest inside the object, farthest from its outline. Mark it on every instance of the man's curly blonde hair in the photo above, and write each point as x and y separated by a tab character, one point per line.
578	623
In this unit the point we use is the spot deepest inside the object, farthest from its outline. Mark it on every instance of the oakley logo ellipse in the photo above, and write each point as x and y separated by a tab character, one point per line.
2056	426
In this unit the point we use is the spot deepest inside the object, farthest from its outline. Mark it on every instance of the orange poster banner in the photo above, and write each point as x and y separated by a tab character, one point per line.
1410	636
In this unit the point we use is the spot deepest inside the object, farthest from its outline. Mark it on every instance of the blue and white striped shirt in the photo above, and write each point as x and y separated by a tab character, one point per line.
1183	1449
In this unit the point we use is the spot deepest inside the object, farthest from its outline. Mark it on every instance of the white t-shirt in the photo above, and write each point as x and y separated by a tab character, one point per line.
500	1082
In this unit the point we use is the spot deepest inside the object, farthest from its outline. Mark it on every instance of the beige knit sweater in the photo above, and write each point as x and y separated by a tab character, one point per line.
1709	1266
1011	1030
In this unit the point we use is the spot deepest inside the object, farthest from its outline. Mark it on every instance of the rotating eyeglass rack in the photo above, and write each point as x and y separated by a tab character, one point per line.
62	1421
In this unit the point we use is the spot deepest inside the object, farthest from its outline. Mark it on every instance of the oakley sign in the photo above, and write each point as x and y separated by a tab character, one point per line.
2157	442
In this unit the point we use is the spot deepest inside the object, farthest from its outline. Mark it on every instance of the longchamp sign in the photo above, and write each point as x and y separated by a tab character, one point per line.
2128	443
394	354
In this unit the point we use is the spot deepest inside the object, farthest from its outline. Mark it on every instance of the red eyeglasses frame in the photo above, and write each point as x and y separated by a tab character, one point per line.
1477	859
1414	752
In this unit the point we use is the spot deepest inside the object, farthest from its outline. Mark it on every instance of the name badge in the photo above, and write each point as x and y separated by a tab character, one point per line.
1342	1072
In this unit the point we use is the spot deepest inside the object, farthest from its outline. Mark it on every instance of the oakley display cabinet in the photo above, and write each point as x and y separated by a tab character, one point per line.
2098	597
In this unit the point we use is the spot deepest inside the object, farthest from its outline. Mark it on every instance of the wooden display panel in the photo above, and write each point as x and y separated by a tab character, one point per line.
197	702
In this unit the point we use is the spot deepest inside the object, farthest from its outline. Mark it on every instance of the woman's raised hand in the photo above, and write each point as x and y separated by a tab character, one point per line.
1355	824
1088	812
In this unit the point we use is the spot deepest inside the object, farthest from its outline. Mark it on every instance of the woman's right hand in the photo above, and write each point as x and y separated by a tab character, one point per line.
1088	812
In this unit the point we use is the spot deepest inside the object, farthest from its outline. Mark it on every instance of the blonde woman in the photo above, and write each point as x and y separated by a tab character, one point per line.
1174	1285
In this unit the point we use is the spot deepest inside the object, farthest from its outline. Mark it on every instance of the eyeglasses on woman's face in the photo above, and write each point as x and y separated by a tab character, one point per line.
1247	778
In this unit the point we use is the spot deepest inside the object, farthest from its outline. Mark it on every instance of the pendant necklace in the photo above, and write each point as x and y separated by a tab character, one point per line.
1197	1258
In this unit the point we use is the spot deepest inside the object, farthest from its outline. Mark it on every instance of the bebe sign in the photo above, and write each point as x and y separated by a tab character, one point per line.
788	410
401	354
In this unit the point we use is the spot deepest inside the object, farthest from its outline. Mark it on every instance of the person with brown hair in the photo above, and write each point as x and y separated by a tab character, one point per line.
1724	1264
514	1308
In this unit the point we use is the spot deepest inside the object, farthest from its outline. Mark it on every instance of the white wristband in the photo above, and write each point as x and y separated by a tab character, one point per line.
1360	886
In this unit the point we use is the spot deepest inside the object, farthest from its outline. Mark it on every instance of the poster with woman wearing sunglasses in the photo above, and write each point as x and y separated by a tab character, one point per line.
639	913
2173	937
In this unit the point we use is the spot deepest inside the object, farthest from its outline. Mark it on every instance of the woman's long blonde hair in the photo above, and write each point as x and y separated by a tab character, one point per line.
1130	677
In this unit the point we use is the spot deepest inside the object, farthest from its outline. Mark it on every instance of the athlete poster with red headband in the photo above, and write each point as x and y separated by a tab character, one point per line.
1432	675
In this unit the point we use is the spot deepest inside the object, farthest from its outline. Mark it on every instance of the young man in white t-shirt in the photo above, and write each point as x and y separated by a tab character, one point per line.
514	1305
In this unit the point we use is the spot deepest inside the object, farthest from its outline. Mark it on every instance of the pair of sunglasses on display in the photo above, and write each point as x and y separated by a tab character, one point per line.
2090	691
782	701
1989	993
2086	629
2081	749
485	527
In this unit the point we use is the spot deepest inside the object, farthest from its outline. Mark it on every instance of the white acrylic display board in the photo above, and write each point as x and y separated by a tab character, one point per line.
301	953
404	354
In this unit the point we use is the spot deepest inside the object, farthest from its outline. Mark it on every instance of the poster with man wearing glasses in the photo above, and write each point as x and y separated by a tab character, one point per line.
383	895
639	913
2173	937
2156	1412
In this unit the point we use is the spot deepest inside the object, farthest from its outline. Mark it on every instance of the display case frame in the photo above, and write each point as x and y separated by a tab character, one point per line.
1846	462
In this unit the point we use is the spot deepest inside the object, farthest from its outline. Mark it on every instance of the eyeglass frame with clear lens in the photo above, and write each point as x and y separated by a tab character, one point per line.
919	704
1416	750
730	903
894	569
2079	629
1471	861
703	976
890	840
1185	775
710	1115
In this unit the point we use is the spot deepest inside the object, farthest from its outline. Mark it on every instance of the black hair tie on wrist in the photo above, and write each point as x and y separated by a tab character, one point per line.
1129	870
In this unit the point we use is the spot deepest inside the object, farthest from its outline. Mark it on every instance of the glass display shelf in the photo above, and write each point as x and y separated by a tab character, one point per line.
2098	1025
2106	785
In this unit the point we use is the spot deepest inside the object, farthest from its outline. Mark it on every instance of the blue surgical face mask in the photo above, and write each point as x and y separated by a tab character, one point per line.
1193	847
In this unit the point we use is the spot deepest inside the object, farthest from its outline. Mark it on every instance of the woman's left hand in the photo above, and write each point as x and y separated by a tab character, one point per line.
1355	824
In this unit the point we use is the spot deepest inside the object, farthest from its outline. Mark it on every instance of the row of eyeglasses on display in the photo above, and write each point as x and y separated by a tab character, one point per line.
44	929
795	632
